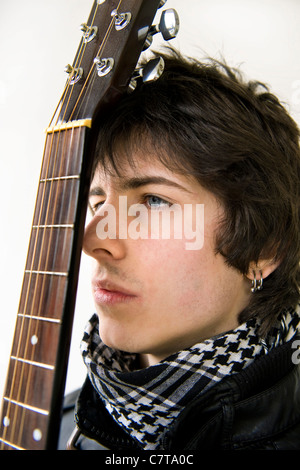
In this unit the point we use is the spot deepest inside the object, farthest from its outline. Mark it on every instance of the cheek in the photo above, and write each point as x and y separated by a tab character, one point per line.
188	280
171	271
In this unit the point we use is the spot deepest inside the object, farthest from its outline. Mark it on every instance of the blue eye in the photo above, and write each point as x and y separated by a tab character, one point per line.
155	202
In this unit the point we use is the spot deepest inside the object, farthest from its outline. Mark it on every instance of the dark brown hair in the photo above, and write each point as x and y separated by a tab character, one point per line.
239	142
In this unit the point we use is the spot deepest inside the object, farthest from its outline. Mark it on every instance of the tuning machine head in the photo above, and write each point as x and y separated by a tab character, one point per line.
89	32
75	74
149	72
168	26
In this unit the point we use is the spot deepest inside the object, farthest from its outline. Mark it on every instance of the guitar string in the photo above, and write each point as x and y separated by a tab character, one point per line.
66	146
8	427
28	287
21	367
21	321
45	283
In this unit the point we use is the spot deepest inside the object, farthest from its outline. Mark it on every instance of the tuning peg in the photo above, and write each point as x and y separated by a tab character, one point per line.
153	69
74	73
148	73
121	19
104	65
89	32
168	27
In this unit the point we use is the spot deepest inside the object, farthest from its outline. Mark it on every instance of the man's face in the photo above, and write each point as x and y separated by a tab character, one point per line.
158	294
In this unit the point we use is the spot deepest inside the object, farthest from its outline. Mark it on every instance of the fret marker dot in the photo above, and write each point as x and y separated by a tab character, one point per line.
34	339
6	421
37	434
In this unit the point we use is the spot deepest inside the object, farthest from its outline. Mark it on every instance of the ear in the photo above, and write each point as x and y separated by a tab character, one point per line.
262	269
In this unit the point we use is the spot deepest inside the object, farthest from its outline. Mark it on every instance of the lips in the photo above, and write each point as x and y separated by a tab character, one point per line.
107	292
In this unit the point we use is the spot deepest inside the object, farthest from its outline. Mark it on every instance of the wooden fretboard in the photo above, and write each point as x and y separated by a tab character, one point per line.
60	206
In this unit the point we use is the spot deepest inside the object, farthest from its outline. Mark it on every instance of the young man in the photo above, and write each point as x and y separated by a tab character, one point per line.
194	342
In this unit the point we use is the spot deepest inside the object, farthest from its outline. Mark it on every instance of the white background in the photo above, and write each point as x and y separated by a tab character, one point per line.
38	38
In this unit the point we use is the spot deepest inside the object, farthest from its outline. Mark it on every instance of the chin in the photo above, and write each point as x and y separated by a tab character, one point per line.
117	340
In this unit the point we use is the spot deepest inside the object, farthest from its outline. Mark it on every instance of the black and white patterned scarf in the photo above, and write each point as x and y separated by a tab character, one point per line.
146	401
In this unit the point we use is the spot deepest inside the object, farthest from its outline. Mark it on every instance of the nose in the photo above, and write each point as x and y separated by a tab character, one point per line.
98	243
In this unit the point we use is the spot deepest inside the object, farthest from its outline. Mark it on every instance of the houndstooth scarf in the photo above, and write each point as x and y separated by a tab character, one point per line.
146	401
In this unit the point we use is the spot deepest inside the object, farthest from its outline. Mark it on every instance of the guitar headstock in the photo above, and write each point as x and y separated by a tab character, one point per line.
115	34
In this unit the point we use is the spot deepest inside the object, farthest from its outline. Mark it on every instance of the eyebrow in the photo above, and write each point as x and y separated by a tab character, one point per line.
137	182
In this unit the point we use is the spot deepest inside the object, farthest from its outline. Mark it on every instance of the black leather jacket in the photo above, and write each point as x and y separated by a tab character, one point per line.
257	409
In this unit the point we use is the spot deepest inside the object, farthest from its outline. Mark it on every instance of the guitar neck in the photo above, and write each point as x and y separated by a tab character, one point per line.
38	362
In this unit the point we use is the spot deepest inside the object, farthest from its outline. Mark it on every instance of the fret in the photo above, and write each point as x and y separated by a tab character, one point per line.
47	273
55	207
49	251
63	152
10	445
28	407
51	295
33	363
20	377
14	418
58	178
35	317
70	125
37	341
53	226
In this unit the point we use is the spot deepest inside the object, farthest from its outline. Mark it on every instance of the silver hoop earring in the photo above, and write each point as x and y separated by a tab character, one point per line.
254	288
257	284
260	282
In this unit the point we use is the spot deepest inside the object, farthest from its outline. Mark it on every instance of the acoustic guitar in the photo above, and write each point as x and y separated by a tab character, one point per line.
104	69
